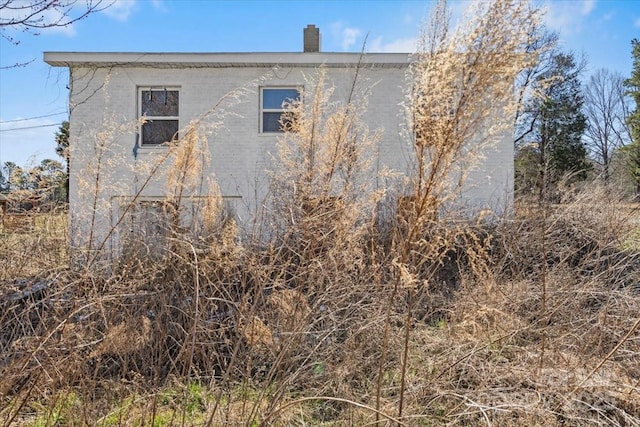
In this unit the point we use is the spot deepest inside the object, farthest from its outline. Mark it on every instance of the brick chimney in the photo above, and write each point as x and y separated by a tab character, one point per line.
311	39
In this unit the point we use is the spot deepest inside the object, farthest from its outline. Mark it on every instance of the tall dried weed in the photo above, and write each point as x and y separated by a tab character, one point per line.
345	305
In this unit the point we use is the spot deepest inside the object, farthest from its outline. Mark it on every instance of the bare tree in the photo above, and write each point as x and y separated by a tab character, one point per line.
33	16
606	109
542	43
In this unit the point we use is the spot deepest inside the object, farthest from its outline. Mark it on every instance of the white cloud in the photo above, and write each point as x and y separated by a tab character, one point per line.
408	45
120	10
349	37
345	37
567	17
159	5
52	15
637	23
587	6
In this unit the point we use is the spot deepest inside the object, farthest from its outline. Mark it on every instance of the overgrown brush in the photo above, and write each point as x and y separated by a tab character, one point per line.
551	336
260	338
346	306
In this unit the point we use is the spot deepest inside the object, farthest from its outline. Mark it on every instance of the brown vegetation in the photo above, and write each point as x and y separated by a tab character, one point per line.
338	309
526	321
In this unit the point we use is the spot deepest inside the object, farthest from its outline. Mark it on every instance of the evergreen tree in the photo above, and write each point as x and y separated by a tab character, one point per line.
62	149
555	123
48	180
632	151
62	140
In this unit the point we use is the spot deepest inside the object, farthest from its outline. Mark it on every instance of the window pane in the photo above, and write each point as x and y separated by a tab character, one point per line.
274	98
160	102
159	131
271	122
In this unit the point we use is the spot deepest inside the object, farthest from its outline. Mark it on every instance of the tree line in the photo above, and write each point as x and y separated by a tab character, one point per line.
43	185
570	131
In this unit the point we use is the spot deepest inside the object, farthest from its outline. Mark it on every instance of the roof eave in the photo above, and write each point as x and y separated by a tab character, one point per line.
224	60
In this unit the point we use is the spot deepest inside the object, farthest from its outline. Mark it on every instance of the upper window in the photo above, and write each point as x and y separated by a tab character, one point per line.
160	106
273	103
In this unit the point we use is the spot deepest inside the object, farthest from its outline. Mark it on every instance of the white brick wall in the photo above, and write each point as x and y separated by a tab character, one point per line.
104	101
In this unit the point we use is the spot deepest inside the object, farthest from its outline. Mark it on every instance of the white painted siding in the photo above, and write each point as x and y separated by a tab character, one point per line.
105	98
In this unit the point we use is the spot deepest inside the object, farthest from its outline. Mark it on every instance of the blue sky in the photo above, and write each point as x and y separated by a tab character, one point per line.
34	97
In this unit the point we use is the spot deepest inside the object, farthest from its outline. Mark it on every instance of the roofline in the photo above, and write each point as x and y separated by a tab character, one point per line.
224	59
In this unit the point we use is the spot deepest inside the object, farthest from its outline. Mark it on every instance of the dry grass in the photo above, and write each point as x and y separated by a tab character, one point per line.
243	335
339	309
33	243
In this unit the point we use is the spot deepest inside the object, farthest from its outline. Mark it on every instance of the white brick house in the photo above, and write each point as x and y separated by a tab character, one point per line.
109	92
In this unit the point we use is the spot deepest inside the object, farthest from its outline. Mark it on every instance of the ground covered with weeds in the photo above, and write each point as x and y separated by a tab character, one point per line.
532	320
345	304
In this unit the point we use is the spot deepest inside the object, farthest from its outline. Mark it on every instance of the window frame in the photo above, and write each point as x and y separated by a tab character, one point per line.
281	110
176	118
